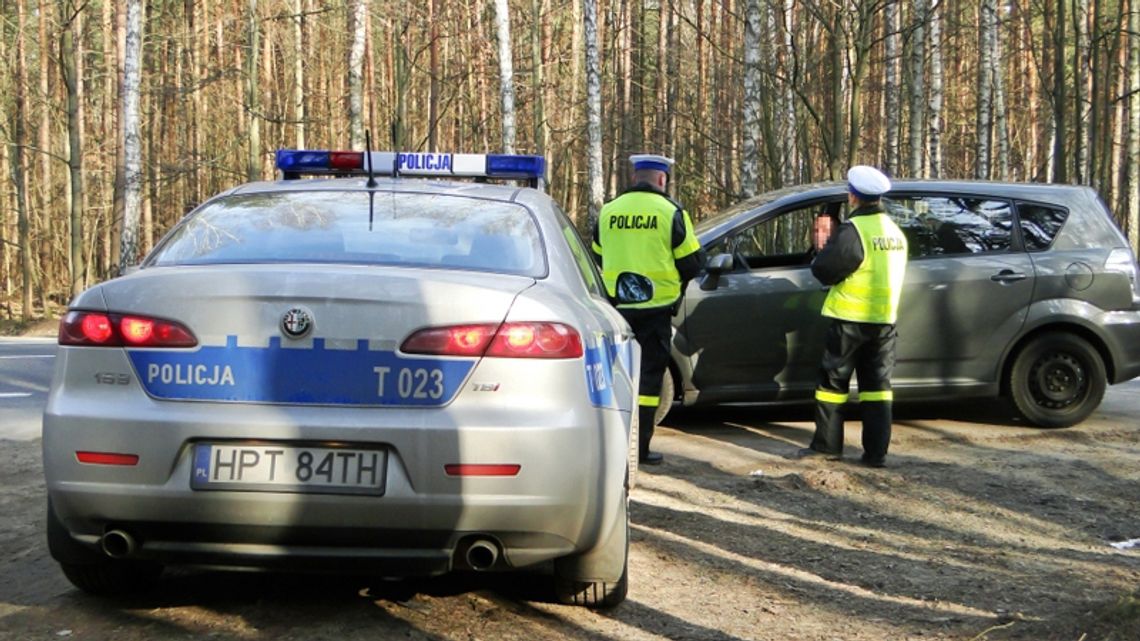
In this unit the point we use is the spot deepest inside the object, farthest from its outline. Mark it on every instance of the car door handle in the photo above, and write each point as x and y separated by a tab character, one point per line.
1008	276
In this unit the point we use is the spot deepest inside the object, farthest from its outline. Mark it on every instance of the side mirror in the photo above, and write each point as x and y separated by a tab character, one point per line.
717	265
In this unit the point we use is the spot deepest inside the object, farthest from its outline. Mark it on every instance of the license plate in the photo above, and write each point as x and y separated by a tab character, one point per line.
288	468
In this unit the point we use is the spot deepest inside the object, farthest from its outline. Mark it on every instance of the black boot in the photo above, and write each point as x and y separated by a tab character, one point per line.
644	435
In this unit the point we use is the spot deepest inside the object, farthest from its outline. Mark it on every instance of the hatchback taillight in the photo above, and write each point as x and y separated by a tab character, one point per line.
102	329
1121	260
508	340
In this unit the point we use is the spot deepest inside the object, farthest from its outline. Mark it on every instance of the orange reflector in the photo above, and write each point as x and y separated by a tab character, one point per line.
107	458
471	469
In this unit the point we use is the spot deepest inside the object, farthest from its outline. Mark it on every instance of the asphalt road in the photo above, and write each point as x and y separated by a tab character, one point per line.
25	374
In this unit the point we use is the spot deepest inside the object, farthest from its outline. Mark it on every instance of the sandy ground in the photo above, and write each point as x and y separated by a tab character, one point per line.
980	528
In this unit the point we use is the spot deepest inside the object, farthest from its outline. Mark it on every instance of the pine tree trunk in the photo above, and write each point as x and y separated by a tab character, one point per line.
1133	225
541	127
299	73
46	179
18	168
72	66
1060	127
1001	121
1081	91
253	92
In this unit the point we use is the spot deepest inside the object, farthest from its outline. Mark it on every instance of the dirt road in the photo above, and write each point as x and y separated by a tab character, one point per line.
980	528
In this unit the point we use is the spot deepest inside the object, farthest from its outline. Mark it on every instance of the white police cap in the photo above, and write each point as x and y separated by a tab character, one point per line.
864	180
651	161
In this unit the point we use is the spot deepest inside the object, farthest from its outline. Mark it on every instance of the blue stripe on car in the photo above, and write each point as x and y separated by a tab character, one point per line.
317	376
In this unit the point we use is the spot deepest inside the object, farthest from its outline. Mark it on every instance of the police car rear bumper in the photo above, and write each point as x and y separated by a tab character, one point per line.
557	504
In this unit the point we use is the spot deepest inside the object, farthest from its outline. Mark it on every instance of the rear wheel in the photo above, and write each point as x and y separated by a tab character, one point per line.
1057	380
93	572
582	579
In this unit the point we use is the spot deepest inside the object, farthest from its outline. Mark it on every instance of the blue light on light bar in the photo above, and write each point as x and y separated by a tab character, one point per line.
302	161
516	166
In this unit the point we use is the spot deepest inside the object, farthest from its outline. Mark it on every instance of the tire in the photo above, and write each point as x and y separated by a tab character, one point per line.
1057	380
93	572
571	589
668	393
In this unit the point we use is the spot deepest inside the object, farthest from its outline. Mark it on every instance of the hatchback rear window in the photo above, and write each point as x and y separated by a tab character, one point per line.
425	230
948	225
1040	224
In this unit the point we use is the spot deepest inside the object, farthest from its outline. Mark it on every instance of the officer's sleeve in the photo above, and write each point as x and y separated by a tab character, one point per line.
687	253
840	257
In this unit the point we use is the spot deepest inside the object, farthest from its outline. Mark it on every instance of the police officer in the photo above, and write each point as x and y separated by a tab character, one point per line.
648	251
864	263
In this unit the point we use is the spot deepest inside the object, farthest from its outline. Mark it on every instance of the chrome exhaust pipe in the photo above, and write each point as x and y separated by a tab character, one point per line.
482	554
118	544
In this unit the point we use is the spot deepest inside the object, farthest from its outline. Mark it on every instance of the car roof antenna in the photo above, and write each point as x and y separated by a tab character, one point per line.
371	184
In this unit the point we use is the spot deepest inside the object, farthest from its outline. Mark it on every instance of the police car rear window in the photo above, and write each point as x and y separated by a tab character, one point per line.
423	230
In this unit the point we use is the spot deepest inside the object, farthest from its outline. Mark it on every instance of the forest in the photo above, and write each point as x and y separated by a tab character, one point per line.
121	117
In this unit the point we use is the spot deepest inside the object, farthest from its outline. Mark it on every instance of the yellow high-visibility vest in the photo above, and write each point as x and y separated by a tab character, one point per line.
635	236
871	293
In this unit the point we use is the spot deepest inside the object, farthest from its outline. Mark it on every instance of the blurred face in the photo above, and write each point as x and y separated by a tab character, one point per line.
821	231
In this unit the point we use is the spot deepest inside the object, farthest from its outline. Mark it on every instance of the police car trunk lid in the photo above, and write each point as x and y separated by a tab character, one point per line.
311	334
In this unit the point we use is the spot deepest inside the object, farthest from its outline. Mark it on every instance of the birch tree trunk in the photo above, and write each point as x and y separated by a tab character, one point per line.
132	143
891	86
71	63
358	18
934	117
790	162
921	11
595	192
753	97
987	14
506	74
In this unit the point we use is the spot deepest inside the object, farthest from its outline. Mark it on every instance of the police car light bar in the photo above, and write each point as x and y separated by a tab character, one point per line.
294	163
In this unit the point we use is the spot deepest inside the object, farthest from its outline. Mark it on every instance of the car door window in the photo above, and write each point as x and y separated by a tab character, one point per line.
1040	224
781	241
952	225
586	266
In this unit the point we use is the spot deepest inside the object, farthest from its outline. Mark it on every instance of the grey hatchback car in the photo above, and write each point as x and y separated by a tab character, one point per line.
1021	290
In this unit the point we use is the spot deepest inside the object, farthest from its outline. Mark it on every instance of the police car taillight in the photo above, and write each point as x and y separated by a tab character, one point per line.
508	340
99	329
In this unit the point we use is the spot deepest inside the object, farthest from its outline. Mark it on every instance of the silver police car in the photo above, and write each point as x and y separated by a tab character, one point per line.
1025	291
371	371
